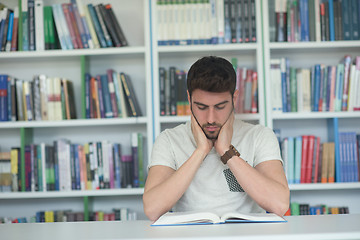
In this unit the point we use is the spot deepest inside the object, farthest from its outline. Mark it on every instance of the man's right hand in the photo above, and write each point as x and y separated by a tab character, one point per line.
202	142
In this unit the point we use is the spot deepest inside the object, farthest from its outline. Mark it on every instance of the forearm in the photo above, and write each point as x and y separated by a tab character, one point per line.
270	194
160	198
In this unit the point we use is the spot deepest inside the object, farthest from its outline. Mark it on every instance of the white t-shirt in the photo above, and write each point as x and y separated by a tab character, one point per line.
214	186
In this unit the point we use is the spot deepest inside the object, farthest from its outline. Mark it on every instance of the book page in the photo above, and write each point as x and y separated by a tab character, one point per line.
180	218
252	217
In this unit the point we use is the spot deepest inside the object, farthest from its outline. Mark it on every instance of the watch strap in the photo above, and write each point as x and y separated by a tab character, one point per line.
229	154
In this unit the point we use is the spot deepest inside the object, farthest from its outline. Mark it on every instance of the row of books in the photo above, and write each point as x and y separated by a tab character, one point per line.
320	209
65	166
65	26
42	98
307	160
316	20
173	92
110	95
247	85
173	96
205	22
117	214
319	89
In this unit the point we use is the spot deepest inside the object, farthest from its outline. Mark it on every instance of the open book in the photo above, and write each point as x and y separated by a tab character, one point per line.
190	218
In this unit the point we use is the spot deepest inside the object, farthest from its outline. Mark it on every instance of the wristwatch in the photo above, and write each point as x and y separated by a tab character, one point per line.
229	154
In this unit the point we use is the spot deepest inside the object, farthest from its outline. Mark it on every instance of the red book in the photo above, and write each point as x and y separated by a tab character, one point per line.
309	161
70	25
74	25
240	85
14	40
114	105
254	95
304	154
317	157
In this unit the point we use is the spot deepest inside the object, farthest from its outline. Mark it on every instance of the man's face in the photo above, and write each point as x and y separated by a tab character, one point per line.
211	110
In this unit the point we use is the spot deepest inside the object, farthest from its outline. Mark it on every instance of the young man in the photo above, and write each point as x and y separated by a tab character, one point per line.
215	162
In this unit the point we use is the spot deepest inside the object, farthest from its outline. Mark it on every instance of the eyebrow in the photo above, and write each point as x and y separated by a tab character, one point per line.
204	105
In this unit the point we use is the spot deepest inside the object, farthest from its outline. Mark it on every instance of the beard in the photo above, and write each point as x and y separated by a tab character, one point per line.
212	135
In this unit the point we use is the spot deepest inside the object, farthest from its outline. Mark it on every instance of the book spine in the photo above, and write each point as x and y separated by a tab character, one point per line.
111	88
97	27
39	25
14	40
25	24
81	26
31	27
109	25
103	27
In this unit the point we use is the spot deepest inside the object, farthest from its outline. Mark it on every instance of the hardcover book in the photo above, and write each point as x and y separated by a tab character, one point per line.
196	217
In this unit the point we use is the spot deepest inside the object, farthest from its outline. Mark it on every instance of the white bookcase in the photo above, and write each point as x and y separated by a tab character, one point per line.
182	57
141	60
135	60
306	55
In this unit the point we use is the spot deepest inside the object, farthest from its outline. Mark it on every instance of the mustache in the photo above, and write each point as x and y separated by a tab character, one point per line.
211	125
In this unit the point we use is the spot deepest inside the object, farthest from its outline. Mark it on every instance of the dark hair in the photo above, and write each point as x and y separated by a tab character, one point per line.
212	74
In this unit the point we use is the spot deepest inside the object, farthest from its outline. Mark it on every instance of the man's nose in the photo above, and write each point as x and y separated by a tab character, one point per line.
211	116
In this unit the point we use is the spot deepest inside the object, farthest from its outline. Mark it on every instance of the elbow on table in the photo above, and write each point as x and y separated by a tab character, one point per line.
150	210
282	206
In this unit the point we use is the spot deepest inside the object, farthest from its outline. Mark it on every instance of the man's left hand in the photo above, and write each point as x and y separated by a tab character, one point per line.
223	141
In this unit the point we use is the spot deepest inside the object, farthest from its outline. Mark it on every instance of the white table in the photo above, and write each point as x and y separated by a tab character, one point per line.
297	227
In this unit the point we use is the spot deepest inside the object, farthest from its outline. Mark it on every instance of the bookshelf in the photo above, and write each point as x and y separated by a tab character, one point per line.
305	55
141	60
183	56
72	64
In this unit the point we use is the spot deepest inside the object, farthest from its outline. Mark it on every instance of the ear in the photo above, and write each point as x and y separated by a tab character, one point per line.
235	97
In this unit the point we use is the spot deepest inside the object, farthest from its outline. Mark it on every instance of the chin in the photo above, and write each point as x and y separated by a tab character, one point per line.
212	136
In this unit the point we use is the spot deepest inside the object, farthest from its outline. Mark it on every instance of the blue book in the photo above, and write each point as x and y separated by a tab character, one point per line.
3	98
117	163
355	18
10	32
355	158
77	167
339	86
72	166
227	19
298	155
56	166
332	20
346	20
312	88
317	87
304	18
106	97
291	160
97	26
284	86
2	29
9	98
333	136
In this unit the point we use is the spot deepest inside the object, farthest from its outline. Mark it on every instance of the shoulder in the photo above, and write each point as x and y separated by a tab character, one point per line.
244	129
179	132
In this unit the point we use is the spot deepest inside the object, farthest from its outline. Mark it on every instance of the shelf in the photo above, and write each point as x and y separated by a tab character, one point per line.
317	45
315	115
324	186
66	194
75	52
75	123
208	48
180	119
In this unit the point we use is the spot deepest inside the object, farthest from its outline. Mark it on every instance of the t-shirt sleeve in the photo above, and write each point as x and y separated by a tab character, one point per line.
267	147
162	153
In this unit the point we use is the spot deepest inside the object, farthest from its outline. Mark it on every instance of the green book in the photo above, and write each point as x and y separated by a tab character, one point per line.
295	209
25	26
46	27
293	90
141	160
